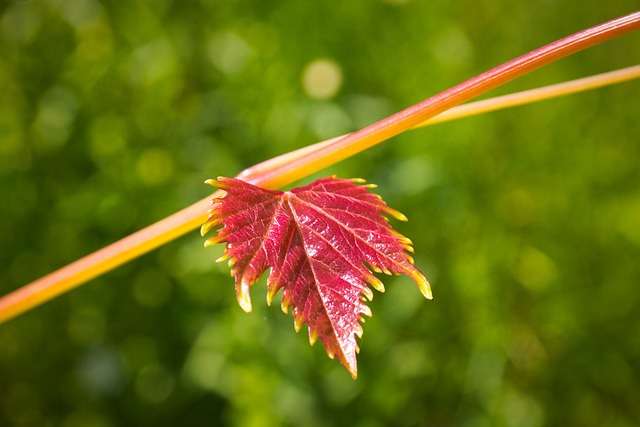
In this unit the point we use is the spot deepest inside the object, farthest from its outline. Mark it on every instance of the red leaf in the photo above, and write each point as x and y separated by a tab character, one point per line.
316	240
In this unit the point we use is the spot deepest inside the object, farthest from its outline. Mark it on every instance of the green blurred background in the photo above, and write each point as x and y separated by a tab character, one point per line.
527	221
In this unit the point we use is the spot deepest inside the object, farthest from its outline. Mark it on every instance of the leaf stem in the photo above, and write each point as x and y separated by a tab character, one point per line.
535	95
406	119
285	169
467	110
103	260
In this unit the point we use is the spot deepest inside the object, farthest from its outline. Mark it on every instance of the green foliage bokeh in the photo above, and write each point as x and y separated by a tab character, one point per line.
527	221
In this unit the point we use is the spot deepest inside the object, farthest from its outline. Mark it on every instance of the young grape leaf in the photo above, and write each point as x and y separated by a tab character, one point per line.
316	240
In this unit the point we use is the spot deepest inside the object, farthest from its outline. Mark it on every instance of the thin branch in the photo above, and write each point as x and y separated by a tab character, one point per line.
406	119
103	260
536	95
470	109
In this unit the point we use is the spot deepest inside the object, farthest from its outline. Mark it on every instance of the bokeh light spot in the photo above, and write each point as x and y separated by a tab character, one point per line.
155	166
322	79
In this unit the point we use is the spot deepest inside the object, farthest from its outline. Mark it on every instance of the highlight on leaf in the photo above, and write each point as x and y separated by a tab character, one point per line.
320	242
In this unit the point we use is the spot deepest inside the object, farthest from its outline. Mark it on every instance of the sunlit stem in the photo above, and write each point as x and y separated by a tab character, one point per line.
397	123
536	95
288	168
103	260
470	109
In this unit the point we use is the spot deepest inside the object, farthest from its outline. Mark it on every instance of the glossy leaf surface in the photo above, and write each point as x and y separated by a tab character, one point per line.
317	241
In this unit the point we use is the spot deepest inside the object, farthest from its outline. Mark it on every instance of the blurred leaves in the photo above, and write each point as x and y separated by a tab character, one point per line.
525	221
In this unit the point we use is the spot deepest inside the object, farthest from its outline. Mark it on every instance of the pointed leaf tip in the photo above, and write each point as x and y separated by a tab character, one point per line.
396	214
207	227
242	295
313	337
366	311
353	372
425	287
212	241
